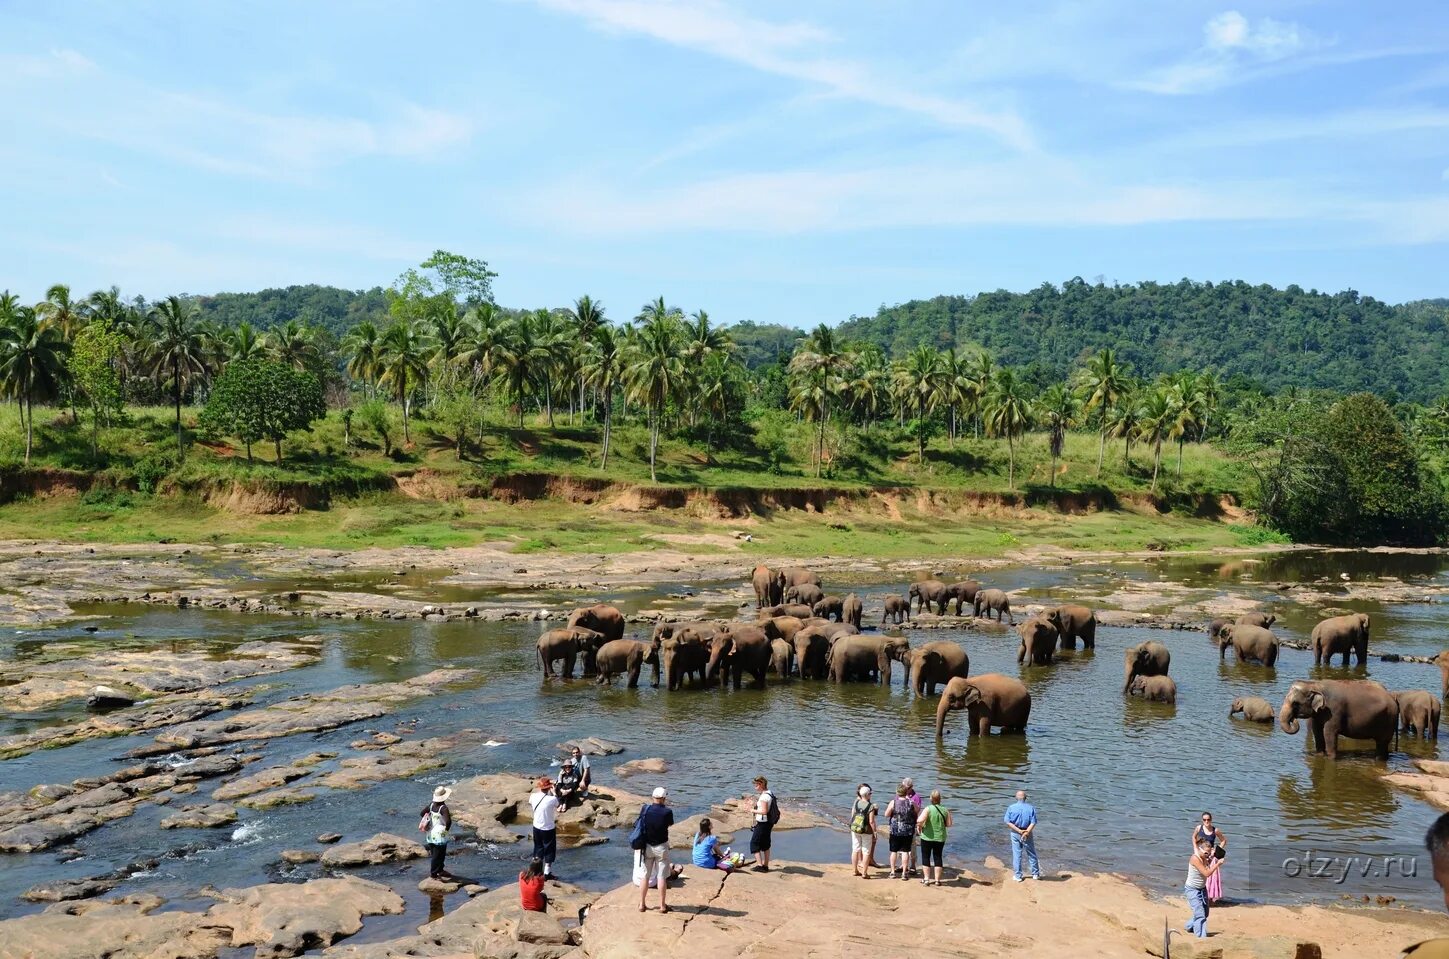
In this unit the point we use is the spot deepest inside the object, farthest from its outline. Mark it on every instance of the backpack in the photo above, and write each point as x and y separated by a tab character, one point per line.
772	815
860	818
903	822
636	835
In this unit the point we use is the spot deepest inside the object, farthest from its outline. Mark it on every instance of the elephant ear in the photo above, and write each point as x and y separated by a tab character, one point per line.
1317	703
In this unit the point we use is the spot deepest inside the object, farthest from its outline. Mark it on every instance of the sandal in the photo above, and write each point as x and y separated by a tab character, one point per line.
665	909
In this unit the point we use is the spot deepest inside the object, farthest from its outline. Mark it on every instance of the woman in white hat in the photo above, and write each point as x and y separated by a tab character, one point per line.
436	821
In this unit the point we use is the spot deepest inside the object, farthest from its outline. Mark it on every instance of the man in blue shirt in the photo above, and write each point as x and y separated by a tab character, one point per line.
657	817
1021	820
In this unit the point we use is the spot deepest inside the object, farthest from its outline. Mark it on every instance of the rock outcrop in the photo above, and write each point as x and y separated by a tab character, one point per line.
384	847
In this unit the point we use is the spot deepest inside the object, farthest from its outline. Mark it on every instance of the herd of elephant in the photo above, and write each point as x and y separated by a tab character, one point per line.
801	631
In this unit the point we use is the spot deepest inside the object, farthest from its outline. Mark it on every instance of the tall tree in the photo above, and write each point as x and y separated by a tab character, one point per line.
1008	414
920	379
363	346
92	366
655	372
179	353
1057	410
602	370
1101	385
1155	424
32	364
404	366
587	316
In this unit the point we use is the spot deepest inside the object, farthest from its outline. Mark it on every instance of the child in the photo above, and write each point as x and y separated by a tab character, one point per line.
530	887
706	850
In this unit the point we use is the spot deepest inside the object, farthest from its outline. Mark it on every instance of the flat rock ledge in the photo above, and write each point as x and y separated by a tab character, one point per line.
814	912
1430	783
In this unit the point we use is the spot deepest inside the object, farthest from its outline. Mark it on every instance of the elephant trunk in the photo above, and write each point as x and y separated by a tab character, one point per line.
1131	673
1286	720
942	708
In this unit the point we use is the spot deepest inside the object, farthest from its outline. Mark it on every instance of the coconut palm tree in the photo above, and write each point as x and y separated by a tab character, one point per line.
1008	414
294	344
981	372
958	387
867	387
712	392
920	382
32	363
481	345
702	341
178	351
521	357
1101	386
551	334
1155	423
602	370
812	391
655	370
1057	410
61	312
588	316
363	348
1126	414
403	366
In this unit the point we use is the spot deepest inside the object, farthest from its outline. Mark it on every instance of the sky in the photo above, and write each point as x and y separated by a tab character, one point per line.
790	161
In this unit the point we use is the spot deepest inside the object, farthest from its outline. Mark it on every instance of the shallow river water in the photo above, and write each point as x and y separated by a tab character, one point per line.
1119	783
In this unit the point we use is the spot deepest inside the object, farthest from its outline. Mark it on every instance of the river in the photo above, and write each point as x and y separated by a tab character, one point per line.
1119	783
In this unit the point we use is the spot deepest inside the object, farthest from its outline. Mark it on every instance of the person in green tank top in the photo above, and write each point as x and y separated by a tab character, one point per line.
934	821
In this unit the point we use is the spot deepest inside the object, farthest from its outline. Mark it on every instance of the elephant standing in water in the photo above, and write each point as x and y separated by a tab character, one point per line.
568	644
993	601
769	586
683	653
964	593
1255	709
935	664
830	607
1073	623
851	610
928	594
601	618
625	656
1356	708
1145	659
806	594
1216	625
896	606
1038	641
859	657
798	576
1160	689
1418	713
1250	644
782	656
989	700
738	650
812	650
1340	634
782	627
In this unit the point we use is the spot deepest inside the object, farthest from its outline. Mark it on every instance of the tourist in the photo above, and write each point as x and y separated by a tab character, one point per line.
570	792
545	824
916	801
901	818
933	822
706	850
1436	840
586	775
530	887
1199	868
862	831
435	822
1021	820
766	813
657	818
1207	832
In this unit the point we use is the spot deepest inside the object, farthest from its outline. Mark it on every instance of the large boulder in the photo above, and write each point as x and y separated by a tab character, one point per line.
382	848
286	919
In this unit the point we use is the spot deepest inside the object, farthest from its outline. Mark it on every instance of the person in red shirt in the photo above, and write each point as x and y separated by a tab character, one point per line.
530	887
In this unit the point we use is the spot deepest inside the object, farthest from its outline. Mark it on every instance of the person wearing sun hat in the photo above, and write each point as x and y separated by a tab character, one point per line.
545	823
435	822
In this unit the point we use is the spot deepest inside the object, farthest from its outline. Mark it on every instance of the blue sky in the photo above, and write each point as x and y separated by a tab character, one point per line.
791	162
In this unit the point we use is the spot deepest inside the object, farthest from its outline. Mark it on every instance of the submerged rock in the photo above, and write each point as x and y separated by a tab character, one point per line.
640	767
286	919
592	746
201	816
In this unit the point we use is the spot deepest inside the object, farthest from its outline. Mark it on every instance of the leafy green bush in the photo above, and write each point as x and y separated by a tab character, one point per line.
1261	536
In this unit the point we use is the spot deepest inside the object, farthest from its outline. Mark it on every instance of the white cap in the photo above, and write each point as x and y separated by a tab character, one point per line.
659	792
864	790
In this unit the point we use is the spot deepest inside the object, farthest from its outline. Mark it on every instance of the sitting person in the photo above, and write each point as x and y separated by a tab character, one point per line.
530	887
706	850
570	785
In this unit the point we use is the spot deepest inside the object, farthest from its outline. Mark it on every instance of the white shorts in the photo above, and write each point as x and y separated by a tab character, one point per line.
860	842
656	862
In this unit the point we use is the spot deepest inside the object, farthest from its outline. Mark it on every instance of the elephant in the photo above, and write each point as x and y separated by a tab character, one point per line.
1340	634
830	607
782	627
682	654
962	592
851	610
1418	713
1261	620
769	586
928	593
1357	708
738	650
1073	623
993	600
781	656
1255	709
858	657
1216	625
896	606
812	651
989	700
568	644
625	656
1250	643
1038	639
806	594
799	610
601	618
1159	689
798	576
935	664
1145	659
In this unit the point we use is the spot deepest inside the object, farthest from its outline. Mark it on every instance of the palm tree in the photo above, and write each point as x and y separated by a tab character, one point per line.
1058	409
958	387
551	335
481	345
702	341
520	356
867	387
61	312
403	366
712	392
655	373
981	372
1155	423
811	390
588	317
1008	414
32	363
920	381
363	347
1126	415
1101	385
294	344
602	369
178	352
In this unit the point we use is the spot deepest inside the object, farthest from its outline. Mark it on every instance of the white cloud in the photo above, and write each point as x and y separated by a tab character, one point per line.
59	63
1232	47
788	50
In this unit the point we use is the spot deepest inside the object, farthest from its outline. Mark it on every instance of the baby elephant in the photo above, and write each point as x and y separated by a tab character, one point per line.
1038	640
994	601
1418	713
1255	709
625	657
1156	688
897	608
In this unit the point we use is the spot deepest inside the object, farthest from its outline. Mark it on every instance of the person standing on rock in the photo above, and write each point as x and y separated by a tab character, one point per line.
1021	820
901	817
933	822
918	803
656	819
586	775
765	817
862	831
435	822
545	824
1199	868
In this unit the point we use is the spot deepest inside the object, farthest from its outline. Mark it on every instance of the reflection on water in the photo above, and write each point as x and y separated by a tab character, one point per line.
1119	782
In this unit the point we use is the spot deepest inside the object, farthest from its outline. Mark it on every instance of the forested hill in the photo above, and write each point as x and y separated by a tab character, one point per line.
329	307
1280	338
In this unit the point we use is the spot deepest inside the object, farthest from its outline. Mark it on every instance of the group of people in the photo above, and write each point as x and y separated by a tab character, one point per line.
914	823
